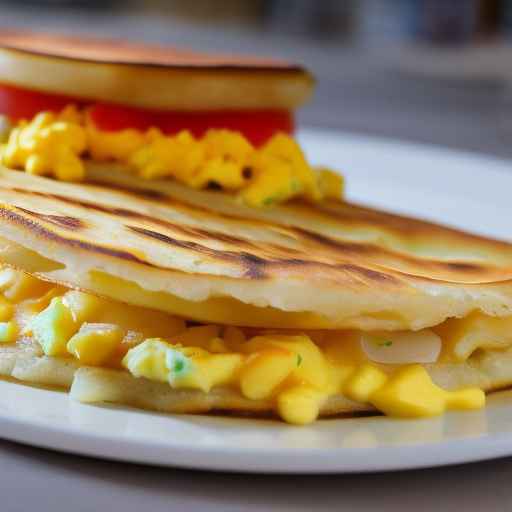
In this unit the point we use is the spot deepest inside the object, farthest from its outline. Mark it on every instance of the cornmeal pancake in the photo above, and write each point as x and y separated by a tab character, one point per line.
328	265
149	76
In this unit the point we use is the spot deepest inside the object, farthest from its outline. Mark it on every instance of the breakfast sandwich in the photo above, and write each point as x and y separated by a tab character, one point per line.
165	244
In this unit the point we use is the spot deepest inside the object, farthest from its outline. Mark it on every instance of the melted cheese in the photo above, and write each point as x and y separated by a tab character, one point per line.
463	336
408	392
56	145
295	372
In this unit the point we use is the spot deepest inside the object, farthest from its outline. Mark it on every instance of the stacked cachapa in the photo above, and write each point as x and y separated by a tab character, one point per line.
197	262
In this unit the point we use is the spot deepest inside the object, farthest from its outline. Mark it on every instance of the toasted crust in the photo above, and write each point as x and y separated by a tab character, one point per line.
333	265
130	73
117	51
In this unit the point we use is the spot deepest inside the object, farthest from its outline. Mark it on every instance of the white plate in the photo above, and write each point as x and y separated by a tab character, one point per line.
464	190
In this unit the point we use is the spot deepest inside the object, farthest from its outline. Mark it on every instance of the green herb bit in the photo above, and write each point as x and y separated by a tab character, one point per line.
380	342
179	365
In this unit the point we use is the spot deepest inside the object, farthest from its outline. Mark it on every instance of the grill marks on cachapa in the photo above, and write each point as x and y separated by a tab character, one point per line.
35	227
310	252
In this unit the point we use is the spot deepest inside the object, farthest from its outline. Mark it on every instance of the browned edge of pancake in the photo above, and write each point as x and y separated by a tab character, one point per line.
120	52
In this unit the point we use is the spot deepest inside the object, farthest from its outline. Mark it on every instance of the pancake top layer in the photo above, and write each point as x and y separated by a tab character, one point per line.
353	266
116	51
149	76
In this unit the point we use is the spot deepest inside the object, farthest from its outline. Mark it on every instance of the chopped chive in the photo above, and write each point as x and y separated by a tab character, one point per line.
381	342
179	365
299	359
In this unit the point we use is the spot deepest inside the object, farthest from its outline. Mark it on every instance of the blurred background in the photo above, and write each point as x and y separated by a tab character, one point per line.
430	71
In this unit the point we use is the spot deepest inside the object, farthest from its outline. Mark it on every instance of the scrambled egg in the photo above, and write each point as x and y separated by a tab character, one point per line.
51	144
8	328
291	371
296	373
409	392
95	343
56	145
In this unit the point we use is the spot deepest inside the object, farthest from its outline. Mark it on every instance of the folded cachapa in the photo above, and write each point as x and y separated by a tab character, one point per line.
357	295
188	258
199	254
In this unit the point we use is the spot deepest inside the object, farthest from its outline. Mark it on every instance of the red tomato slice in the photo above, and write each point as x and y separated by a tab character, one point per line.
258	126
18	103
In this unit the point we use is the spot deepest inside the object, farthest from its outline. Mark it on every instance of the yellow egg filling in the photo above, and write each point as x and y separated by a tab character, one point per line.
57	144
50	144
295	372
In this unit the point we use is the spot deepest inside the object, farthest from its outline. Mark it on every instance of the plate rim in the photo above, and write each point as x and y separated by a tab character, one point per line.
346	460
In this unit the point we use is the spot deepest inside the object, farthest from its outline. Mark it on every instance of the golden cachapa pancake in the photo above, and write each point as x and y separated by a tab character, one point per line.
202	256
149	76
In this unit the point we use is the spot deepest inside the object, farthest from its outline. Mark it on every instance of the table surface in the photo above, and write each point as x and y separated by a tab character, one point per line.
357	92
40	480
